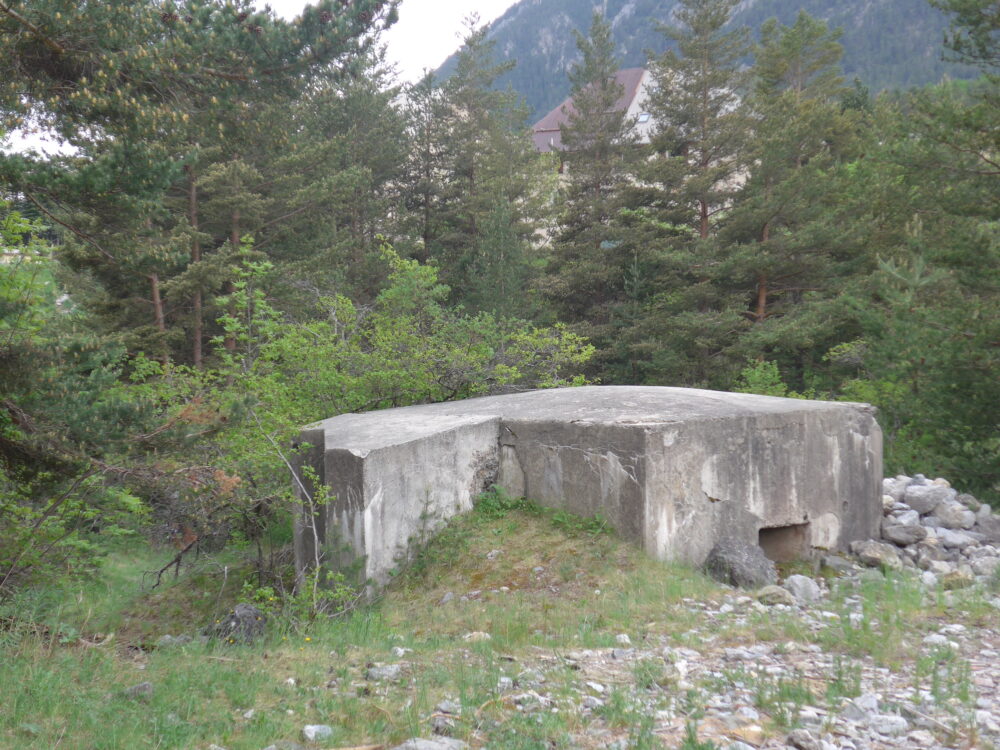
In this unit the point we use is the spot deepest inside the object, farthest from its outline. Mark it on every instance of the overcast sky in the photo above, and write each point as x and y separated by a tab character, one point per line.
427	31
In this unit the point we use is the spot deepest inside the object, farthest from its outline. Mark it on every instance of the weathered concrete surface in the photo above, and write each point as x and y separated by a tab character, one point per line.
672	469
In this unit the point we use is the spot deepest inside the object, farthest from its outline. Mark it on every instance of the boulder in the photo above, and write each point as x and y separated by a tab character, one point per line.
954	539
803	588
924	498
989	527
877	554
244	624
771	595
739	564
953	515
901	534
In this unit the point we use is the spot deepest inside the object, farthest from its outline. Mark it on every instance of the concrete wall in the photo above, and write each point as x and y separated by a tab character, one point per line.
674	470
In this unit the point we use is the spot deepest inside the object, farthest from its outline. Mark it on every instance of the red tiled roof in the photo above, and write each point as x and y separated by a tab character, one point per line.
546	133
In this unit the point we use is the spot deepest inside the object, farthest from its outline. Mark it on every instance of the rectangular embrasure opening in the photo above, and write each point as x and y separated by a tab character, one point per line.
785	543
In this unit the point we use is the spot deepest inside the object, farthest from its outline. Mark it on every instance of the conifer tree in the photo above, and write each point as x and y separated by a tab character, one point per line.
783	243
685	191
477	181
590	256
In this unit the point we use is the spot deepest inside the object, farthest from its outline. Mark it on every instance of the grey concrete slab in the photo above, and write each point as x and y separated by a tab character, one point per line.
672	469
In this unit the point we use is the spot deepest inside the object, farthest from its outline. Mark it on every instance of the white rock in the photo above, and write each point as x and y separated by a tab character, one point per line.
476	636
803	588
317	732
889	724
622	639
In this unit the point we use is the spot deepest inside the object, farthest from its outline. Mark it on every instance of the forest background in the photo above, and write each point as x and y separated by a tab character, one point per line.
255	227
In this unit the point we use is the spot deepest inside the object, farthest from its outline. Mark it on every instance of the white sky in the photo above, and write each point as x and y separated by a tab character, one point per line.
427	30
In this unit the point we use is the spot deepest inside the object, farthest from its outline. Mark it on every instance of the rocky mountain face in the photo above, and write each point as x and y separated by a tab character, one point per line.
887	43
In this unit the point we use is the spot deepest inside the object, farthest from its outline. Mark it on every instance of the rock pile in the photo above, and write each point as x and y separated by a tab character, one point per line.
953	538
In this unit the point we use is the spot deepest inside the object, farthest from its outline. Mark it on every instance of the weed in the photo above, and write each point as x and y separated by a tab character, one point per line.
649	673
781	698
946	675
691	741
846	680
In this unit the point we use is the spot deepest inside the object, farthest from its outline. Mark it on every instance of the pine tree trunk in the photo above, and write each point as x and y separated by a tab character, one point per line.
158	315
196	302
234	238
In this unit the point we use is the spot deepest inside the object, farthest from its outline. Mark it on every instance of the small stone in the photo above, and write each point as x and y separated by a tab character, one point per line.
861	708
446	598
739	745
213	746
143	691
477	636
838	564
380	672
317	732
438	743
285	745
449	707
249	714
504	684
921	738
773	595
493	554
591	702
622	639
802	739
166	641
889	724
803	588
399	652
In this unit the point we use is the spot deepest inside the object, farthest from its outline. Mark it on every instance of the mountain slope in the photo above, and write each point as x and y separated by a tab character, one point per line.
887	43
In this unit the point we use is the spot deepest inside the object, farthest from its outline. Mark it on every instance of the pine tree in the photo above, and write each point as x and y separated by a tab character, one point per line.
685	192
784	245
590	253
477	182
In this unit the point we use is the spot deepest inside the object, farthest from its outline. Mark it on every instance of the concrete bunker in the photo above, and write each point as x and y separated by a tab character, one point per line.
672	469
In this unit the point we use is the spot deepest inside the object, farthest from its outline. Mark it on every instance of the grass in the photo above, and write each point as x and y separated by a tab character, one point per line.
539	583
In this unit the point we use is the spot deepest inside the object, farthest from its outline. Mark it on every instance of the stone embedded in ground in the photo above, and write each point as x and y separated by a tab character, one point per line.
739	564
772	595
317	732
380	672
673	470
438	743
802	739
143	691
244	624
